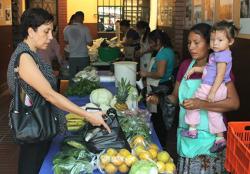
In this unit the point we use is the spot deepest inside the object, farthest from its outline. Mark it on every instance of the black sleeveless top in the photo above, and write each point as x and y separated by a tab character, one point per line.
31	92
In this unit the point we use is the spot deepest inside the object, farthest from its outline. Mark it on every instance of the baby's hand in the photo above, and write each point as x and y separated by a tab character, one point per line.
210	97
190	72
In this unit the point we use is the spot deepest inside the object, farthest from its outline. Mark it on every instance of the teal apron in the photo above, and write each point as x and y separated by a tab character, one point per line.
188	147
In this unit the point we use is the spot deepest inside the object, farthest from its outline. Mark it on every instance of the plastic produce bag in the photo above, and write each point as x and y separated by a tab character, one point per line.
97	138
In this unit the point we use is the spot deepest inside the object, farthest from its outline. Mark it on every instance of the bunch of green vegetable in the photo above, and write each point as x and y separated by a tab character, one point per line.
82	88
72	160
134	125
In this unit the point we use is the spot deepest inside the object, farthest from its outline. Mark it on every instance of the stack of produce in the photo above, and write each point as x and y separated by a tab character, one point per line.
82	88
146	151
116	160
74	122
88	73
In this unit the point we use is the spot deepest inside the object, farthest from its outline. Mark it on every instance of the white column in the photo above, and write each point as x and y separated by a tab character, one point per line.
153	14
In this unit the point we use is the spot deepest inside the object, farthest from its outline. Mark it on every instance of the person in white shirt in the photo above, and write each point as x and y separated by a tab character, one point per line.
66	47
78	37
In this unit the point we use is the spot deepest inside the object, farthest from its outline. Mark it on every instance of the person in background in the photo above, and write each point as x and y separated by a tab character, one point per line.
36	78
194	153
66	47
144	52
77	35
162	65
130	41
159	75
100	25
215	74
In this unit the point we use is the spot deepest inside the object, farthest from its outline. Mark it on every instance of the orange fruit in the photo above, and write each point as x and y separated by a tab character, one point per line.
117	160
138	139
123	168
153	152
138	149
145	155
130	160
153	146
110	168
170	167
111	152
163	156
124	152
105	158
160	166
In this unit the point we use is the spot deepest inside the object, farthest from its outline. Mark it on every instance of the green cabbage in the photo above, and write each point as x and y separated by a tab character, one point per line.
144	167
101	96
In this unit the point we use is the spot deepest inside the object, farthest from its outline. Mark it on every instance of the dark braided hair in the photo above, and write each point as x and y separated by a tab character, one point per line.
143	25
229	27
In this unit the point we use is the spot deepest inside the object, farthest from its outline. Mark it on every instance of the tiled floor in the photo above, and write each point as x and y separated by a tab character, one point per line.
8	149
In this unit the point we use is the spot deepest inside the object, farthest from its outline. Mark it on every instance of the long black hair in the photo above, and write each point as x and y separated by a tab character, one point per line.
143	25
34	17
161	36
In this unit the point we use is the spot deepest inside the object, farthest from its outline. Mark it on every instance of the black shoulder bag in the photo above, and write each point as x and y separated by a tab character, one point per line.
31	124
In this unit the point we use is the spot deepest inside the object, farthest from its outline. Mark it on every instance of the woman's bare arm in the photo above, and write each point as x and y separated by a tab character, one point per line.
232	102
154	99
31	74
174	96
161	68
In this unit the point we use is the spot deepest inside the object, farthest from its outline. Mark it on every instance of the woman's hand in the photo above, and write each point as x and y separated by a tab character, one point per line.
152	99
96	119
172	99
143	73
192	103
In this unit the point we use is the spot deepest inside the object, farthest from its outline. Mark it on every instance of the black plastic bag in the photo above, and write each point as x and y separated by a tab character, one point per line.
98	138
168	108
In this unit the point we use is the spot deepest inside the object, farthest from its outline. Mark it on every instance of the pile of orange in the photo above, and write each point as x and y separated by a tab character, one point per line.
146	151
116	160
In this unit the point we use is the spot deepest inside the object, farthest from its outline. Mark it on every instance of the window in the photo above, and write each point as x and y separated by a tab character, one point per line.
136	10
108	12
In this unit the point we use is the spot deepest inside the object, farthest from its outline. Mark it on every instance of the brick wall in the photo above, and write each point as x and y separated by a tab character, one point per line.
62	21
178	23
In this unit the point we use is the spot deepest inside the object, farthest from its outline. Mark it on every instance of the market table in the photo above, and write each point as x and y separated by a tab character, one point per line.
47	166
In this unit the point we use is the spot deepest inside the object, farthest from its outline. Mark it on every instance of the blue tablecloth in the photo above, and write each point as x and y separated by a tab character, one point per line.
47	166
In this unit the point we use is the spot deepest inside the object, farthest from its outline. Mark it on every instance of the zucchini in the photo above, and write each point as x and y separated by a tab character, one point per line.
76	144
75	123
72	116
